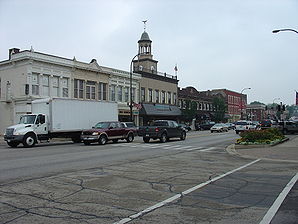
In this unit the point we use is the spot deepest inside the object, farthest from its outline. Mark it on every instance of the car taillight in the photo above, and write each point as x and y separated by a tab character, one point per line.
156	129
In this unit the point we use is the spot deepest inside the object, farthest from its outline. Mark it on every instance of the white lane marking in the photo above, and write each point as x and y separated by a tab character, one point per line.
177	196
208	149
277	203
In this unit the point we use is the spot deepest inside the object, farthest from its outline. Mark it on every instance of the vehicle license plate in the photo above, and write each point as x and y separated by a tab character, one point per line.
147	135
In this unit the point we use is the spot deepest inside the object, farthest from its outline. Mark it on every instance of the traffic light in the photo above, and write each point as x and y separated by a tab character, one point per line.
283	107
278	107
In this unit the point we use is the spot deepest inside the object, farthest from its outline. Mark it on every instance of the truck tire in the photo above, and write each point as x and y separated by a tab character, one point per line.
13	144
29	140
102	140
130	137
163	138
76	139
183	136
87	143
146	140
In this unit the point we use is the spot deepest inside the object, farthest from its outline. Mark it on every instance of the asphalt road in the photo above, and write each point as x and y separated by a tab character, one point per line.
191	181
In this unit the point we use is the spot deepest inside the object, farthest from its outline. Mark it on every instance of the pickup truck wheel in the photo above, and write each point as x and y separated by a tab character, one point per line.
86	143
146	140
13	144
183	136
163	138
29	140
130	137
102	140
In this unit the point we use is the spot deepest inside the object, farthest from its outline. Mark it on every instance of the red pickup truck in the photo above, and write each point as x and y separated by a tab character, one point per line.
106	131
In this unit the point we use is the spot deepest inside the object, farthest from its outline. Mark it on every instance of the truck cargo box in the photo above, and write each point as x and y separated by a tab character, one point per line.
71	114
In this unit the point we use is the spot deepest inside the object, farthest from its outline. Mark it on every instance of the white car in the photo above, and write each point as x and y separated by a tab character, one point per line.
244	125
219	128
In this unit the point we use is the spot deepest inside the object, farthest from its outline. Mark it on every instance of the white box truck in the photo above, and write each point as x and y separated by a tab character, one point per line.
59	118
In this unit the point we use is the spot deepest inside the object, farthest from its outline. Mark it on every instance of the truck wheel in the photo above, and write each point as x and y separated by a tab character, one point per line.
146	140
130	138
102	140
163	138
76	139
237	132
183	136
13	144
29	140
86	143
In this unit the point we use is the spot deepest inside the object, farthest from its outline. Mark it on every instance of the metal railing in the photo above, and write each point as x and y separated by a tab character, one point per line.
164	74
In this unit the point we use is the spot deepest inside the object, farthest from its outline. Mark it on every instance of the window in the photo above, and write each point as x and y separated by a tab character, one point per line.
143	95
35	84
120	98
45	85
90	90
102	91
55	84
156	96
126	94
133	94
78	88
175	98
169	98
163	97
112	93
64	87
150	95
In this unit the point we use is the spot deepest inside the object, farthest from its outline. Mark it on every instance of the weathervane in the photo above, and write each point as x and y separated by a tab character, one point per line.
144	21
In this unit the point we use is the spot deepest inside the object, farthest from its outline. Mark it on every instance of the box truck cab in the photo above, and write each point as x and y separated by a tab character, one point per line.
58	118
32	127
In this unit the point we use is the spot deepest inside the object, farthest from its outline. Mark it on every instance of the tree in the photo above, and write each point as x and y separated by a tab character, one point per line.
220	109
256	102
190	110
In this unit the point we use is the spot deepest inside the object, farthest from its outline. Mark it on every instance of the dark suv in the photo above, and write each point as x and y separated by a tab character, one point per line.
268	124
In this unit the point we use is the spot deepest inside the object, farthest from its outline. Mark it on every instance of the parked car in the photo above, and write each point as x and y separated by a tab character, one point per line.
230	126
244	125
219	127
103	132
205	126
162	130
187	127
287	127
267	123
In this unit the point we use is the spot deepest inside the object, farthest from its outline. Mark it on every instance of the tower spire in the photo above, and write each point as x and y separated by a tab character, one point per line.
144	21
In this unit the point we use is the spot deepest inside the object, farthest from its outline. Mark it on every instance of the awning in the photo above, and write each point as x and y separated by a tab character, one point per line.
159	110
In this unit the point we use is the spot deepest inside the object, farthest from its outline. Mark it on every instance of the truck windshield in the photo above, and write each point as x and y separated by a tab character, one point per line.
102	125
27	119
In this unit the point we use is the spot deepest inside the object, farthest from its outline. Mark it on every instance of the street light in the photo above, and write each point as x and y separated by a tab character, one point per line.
241	112
130	85
292	30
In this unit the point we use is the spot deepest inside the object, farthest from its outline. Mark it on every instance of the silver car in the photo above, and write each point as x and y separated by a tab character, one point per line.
220	127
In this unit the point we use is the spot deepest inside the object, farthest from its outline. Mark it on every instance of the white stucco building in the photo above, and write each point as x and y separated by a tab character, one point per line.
29	75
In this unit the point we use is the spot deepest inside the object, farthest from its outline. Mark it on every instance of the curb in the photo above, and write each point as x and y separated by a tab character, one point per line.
240	146
232	151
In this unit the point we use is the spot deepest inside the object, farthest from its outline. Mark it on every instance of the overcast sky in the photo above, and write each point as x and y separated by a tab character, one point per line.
215	43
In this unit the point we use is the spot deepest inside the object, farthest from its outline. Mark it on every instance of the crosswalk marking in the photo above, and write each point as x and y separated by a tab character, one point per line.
165	146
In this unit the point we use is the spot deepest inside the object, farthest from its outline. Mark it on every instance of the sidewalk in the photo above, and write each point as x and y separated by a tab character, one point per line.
286	151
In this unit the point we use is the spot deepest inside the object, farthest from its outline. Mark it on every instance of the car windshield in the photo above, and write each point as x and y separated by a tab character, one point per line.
241	123
27	119
102	125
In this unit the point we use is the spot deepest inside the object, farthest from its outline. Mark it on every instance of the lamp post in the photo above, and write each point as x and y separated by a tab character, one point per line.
241	112
279	30
130	85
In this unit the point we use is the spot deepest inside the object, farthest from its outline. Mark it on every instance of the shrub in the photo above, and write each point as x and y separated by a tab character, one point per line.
261	136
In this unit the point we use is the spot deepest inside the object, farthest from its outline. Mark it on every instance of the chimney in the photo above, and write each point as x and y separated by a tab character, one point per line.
13	51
